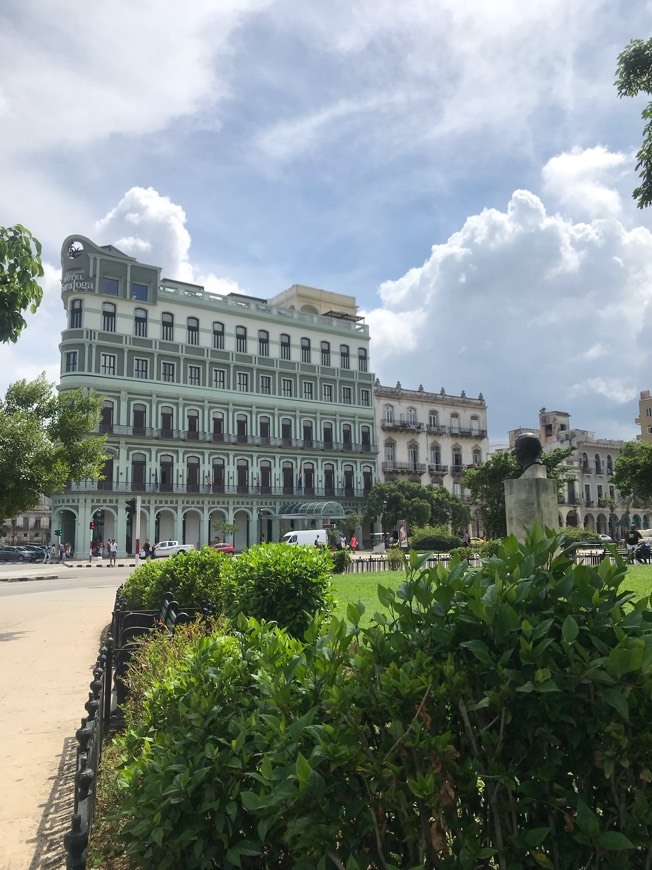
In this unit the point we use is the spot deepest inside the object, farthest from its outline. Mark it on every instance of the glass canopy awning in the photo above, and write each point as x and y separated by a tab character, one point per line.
323	510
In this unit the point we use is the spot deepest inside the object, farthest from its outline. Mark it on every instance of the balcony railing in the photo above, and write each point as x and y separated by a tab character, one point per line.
433	468
229	438
209	489
405	467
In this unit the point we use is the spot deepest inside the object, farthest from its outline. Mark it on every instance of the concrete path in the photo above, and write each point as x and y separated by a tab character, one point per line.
49	640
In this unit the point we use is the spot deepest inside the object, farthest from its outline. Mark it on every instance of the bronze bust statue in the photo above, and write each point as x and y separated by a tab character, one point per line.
528	451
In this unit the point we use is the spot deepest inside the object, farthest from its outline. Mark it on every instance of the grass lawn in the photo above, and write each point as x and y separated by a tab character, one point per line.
350	588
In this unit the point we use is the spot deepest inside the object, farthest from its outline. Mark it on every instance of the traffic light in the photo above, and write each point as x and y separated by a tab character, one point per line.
59	533
130	507
91	525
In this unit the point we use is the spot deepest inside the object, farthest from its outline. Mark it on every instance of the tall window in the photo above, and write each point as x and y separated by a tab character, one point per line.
192	425
362	359
167	326
109	286
263	342
327	392
193	330
598	464
365	439
389	414
389	451
411	417
307	390
475	424
108	317
138	413
329	480
433	419
457	458
241	339
286	433
264	430
265	385
218	427
477	456
347	437
345	359
455	422
365	398
71	361
241	427
141	368
194	376
219	379
325	353
192	474
305	350
413	455
217	481
348	480
327	433
286	387
167	372
76	314
610	464
166	474
367	479
243	475
167	418
139	291
107	364
265	476
140	322
138	461
218	335
307	434
435	456
346	395
243	382
285	346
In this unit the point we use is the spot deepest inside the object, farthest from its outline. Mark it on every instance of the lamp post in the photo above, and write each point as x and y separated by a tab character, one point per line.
382	524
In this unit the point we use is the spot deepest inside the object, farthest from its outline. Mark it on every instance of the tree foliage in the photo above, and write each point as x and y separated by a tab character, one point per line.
20	266
419	505
486	485
633	77
633	472
45	440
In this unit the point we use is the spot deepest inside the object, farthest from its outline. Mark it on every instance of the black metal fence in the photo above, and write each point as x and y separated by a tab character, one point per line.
360	565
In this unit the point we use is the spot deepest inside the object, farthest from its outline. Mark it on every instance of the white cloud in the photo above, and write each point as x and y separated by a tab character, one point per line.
583	181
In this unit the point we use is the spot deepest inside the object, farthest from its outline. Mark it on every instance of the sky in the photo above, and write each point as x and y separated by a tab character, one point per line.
464	168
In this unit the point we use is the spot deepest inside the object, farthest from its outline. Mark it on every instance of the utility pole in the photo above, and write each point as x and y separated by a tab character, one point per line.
137	527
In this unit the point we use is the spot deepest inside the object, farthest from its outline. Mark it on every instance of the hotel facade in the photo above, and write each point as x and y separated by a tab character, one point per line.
218	409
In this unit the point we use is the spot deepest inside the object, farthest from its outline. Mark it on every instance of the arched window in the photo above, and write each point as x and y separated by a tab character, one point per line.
138	417
286	432
192	425
325	353
365	439
345	358
455	422
433	419
413	455
305	350
348	481
242	470
106	418
287	474
435	456
285	346
585	462
308	478
411	417
241	428
241	339
367	479
389	414
327	431
218	335
308	434
263	342
108	317
265	476
140	322
106	483
477	456
457	458
610	464
76	314
475	424
362	359
329	479
167	424
390	448
138	461
193	330
218	426
192	474
598	464
265	430
347	437
166	473
216	479
167	326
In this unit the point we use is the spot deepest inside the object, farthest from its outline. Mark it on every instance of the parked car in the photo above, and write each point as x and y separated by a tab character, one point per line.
17	554
607	539
224	548
170	548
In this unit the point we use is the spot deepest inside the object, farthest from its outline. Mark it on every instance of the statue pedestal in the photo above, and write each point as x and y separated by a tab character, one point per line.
529	500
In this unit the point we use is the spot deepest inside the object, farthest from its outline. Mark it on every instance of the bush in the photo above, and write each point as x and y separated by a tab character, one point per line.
193	578
496	717
490	548
572	535
341	558
395	558
434	539
280	583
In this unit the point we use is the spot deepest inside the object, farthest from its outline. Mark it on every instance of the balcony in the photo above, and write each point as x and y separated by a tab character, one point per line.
205	489
437	469
401	426
404	467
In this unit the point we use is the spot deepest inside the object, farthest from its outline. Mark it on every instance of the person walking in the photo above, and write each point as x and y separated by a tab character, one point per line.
354	542
113	553
47	553
632	538
147	549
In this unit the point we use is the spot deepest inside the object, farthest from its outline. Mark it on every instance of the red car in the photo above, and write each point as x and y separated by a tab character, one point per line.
224	548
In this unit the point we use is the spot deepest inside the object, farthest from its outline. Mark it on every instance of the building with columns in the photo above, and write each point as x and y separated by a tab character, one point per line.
217	408
429	438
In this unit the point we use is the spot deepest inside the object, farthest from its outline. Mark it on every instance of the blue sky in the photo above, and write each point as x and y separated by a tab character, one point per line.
463	167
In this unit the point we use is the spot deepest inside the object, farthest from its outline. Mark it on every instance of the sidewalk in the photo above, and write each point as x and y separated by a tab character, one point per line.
49	642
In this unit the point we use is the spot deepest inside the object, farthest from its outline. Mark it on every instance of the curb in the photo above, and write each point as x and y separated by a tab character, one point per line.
57	576
24	579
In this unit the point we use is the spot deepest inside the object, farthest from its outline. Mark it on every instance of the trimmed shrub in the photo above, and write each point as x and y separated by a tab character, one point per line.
490	548
395	558
284	584
434	539
341	558
194	578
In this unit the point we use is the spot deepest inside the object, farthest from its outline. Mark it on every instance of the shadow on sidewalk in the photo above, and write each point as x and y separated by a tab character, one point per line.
57	813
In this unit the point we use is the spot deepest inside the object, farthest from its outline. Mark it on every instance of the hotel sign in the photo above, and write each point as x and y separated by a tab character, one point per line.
78	284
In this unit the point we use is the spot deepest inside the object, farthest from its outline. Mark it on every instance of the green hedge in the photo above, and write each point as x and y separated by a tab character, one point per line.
433	538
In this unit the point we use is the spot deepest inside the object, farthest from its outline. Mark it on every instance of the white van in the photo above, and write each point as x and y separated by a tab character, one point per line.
310	537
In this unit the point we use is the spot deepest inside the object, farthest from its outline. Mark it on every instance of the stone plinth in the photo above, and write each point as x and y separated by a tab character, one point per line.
529	500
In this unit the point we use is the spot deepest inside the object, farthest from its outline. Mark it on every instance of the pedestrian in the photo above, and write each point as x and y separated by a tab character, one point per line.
47	553
342	542
68	552
113	553
632	538
147	548
354	542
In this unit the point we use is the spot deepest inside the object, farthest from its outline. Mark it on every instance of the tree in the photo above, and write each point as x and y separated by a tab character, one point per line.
486	485
634	76
20	266
419	505
222	529
45	440
632	475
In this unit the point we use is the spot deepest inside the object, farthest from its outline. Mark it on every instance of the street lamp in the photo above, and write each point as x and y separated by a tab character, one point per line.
382	523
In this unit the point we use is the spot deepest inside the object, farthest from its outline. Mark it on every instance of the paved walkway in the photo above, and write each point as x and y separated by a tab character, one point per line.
49	640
